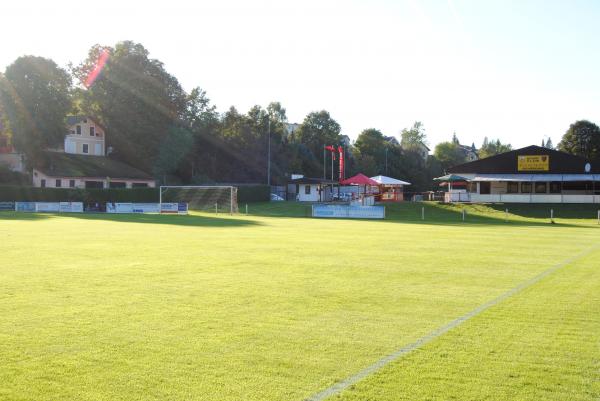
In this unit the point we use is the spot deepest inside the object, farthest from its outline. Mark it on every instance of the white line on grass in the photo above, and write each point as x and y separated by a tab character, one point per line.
349	381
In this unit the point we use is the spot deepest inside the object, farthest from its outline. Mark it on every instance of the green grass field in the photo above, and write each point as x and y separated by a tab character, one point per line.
278	306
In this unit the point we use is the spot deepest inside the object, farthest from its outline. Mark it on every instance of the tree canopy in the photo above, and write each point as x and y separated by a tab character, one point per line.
493	147
582	139
153	124
449	154
35	96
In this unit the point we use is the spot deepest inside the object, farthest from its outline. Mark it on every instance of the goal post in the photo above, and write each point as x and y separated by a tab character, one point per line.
205	198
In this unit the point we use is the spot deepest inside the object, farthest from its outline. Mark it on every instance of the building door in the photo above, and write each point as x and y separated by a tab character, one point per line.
485	188
98	149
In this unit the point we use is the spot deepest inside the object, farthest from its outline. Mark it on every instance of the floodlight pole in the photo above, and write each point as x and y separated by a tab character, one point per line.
386	152
324	164
269	154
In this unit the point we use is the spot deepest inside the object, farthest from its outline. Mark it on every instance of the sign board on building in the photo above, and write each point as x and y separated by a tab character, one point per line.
533	163
349	212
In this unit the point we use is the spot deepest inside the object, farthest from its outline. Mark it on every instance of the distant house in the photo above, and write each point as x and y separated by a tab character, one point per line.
8	156
84	137
291	128
12	160
422	150
82	163
470	152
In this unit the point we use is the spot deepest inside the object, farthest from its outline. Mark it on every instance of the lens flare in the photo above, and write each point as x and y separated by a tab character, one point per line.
89	81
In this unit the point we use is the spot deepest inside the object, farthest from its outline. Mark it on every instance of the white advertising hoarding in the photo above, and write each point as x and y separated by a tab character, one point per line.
71	207
47	207
349	212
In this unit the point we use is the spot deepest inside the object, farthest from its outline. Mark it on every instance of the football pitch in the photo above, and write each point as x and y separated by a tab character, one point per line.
278	306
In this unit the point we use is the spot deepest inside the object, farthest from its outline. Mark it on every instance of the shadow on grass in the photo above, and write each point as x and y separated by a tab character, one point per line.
451	214
178	220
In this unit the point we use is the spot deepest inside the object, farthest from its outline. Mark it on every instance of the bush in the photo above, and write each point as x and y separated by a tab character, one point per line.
8	177
9	193
32	194
253	193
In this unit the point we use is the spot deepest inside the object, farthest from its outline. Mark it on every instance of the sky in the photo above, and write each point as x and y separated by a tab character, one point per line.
520	71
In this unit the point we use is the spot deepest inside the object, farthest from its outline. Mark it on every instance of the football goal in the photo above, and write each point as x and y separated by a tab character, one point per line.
212	199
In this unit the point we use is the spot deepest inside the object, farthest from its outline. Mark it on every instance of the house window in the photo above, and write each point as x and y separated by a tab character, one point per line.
78	130
307	189
525	187
43	183
139	185
540	187
85	148
72	183
512	187
92	131
58	183
555	187
113	184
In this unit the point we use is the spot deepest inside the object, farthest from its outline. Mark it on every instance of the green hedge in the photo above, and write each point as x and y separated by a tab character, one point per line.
31	194
246	194
253	193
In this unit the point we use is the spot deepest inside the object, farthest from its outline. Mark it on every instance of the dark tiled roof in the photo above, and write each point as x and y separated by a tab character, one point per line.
506	163
307	180
60	164
72	120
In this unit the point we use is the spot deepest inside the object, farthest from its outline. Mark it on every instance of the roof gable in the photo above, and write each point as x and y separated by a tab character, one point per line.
60	164
506	163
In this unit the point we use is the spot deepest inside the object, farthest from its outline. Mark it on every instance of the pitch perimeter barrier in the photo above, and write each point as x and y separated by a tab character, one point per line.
348	212
168	208
8	206
48	207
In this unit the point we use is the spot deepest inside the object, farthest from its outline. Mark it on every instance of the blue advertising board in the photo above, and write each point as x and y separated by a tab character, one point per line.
348	212
25	206
7	206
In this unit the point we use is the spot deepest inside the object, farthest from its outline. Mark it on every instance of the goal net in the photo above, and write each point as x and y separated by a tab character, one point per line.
219	199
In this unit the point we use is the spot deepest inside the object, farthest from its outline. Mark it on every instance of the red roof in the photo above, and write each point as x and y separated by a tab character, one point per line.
359	179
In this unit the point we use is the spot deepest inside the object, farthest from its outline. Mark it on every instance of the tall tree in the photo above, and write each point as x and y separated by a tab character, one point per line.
370	151
449	154
414	137
493	147
582	139
34	94
134	97
317	130
549	144
455	139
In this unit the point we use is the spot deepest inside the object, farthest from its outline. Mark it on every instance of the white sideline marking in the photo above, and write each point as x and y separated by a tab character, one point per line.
349	381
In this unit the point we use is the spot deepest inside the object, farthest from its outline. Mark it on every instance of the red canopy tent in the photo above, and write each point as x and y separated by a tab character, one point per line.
359	179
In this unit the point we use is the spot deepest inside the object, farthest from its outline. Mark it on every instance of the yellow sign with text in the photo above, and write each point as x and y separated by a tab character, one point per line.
534	163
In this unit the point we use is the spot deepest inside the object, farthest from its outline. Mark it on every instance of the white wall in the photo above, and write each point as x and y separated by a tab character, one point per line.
314	193
38	176
534	198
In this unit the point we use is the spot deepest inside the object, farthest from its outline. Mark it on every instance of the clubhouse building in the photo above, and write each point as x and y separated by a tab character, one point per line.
528	175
